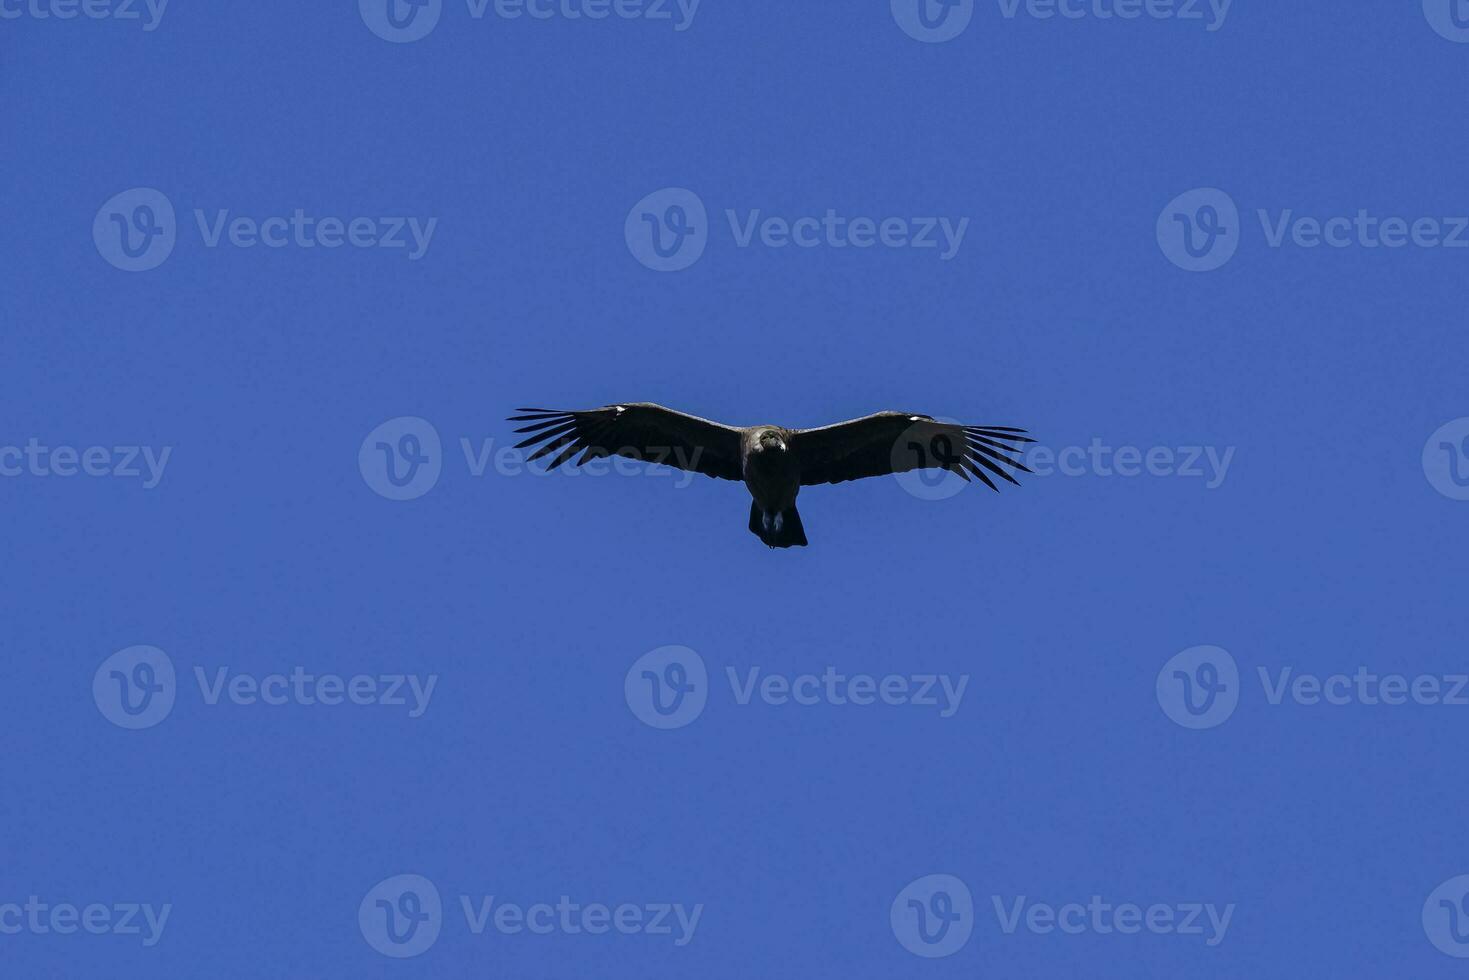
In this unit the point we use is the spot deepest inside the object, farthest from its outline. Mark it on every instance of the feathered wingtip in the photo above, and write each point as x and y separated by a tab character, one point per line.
987	446
535	413
570	432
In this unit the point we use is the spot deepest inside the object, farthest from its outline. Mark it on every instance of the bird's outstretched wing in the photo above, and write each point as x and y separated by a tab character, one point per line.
641	431
896	442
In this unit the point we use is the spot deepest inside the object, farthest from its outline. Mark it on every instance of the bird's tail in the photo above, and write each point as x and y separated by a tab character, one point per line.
783	531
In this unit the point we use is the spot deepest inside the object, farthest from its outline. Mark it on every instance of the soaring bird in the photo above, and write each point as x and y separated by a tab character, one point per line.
775	462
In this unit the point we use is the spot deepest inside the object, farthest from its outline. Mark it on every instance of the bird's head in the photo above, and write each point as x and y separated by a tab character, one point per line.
770	440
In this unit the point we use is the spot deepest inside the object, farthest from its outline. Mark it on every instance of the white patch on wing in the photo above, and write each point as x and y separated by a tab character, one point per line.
915	418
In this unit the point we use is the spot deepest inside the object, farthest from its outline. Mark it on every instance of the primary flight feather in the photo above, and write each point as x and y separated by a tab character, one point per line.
772	461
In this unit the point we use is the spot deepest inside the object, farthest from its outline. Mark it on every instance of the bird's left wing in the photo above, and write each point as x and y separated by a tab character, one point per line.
641	431
896	442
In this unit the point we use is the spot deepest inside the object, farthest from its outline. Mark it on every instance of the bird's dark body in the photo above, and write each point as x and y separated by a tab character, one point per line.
775	462
773	477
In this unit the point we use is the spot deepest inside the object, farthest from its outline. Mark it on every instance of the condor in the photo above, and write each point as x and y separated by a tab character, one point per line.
774	462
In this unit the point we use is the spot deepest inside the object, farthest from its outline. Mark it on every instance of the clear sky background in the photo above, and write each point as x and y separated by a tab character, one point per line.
1326	546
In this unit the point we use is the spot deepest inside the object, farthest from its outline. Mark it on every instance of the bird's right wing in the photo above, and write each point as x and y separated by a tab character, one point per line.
640	431
896	442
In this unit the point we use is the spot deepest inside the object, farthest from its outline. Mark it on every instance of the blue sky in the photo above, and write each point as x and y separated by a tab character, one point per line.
1208	254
